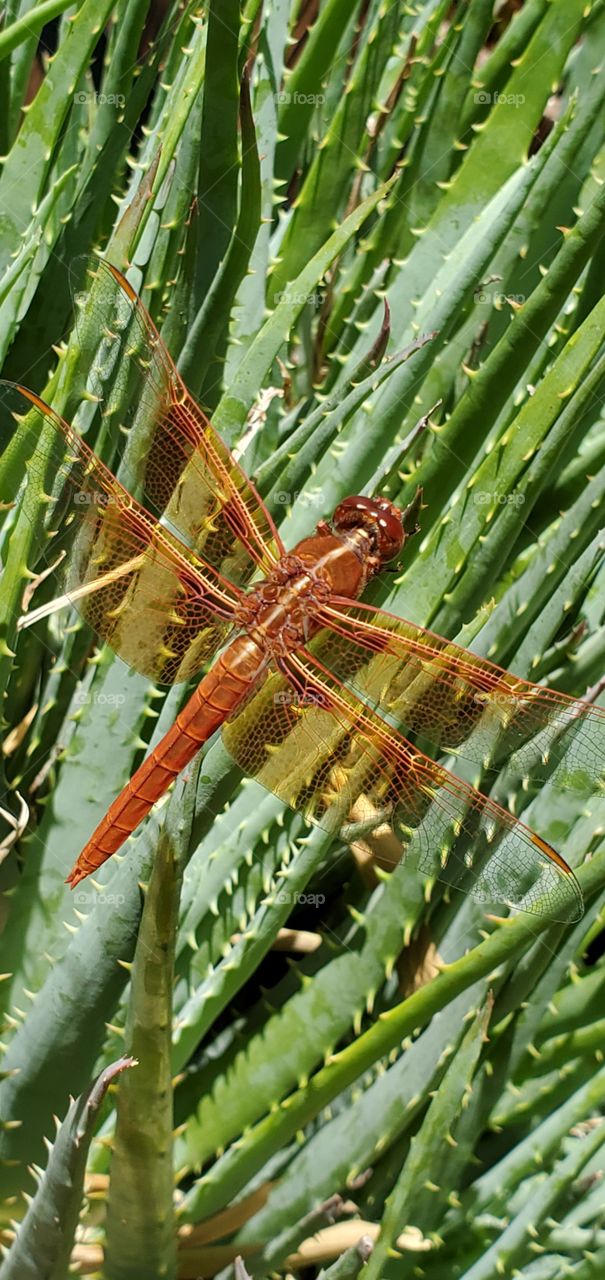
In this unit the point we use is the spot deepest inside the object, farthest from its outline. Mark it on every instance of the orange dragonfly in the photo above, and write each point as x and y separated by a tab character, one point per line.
309	686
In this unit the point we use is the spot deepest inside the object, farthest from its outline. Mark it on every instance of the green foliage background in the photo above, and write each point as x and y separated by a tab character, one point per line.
437	1069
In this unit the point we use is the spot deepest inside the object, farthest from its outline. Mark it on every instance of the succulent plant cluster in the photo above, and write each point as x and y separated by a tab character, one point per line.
371	234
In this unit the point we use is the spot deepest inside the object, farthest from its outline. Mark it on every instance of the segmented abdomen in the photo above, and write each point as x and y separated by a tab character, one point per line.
216	697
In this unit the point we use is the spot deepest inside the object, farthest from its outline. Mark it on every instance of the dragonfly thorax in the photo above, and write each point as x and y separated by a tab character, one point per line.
282	613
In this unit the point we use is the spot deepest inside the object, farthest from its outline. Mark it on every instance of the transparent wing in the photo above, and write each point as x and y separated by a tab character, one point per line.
456	701
310	741
158	604
174	463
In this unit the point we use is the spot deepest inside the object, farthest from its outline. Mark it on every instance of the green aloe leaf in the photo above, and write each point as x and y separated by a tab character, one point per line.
218	147
234	1170
140	1227
42	1246
27	166
410	1200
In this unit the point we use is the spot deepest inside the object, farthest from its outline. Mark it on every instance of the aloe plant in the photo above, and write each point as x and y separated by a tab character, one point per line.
372	238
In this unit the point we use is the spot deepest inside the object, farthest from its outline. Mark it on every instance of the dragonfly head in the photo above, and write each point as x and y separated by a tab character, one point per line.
389	526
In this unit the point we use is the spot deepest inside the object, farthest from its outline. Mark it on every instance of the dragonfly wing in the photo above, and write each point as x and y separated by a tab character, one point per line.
456	701
158	604
310	741
174	463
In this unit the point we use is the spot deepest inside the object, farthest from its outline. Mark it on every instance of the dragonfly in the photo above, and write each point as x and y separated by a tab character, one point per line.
178	566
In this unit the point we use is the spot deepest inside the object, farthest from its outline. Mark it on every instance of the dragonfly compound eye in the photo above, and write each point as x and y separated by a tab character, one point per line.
378	515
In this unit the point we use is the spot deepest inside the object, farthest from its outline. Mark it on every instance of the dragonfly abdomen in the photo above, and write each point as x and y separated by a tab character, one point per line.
217	696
